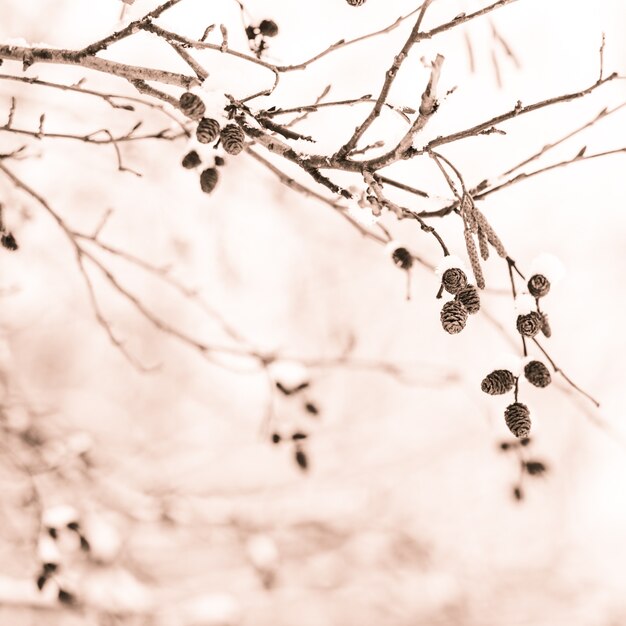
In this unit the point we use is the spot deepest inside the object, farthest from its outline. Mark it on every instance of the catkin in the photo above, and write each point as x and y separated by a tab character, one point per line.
473	257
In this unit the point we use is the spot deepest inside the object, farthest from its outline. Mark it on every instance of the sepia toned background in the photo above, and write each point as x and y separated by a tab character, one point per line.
405	515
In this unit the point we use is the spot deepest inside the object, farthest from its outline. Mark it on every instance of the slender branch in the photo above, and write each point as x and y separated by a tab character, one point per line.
564	375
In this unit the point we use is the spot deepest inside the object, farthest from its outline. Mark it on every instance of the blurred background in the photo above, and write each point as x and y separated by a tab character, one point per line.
169	503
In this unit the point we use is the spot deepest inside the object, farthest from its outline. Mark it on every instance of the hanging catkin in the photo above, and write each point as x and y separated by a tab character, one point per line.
483	244
472	253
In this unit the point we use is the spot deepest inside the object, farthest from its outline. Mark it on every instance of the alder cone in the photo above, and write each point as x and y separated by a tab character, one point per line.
530	324
454	279
470	299
498	382
191	160
402	258
208	179
232	139
537	374
191	105
453	317
517	418
269	28
538	285
208	130
355	3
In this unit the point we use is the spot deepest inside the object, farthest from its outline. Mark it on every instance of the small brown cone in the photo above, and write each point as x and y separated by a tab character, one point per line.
232	139
191	160
192	106
498	382
517	418
402	258
208	179
453	317
208	130
529	324
538	285
469	297
537	374
454	279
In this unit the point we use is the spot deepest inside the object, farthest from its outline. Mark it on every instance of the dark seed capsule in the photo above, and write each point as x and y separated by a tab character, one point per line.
402	258
529	324
454	279
498	382
41	581
192	106
538	285
276	438
208	130
355	3
517	418
65	597
232	139
518	494
469	297
191	160
219	161
269	28
8	242
535	468
298	436
251	32
537	374
50	568
208	179
453	317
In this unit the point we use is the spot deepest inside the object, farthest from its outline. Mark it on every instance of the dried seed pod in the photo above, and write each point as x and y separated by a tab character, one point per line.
530	324
208	179
219	161
498	382
269	28
537	374
538	285
355	3
191	159
470	299
453	317
517	417
454	279
8	242
192	106
232	139
545	325
208	130
402	258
